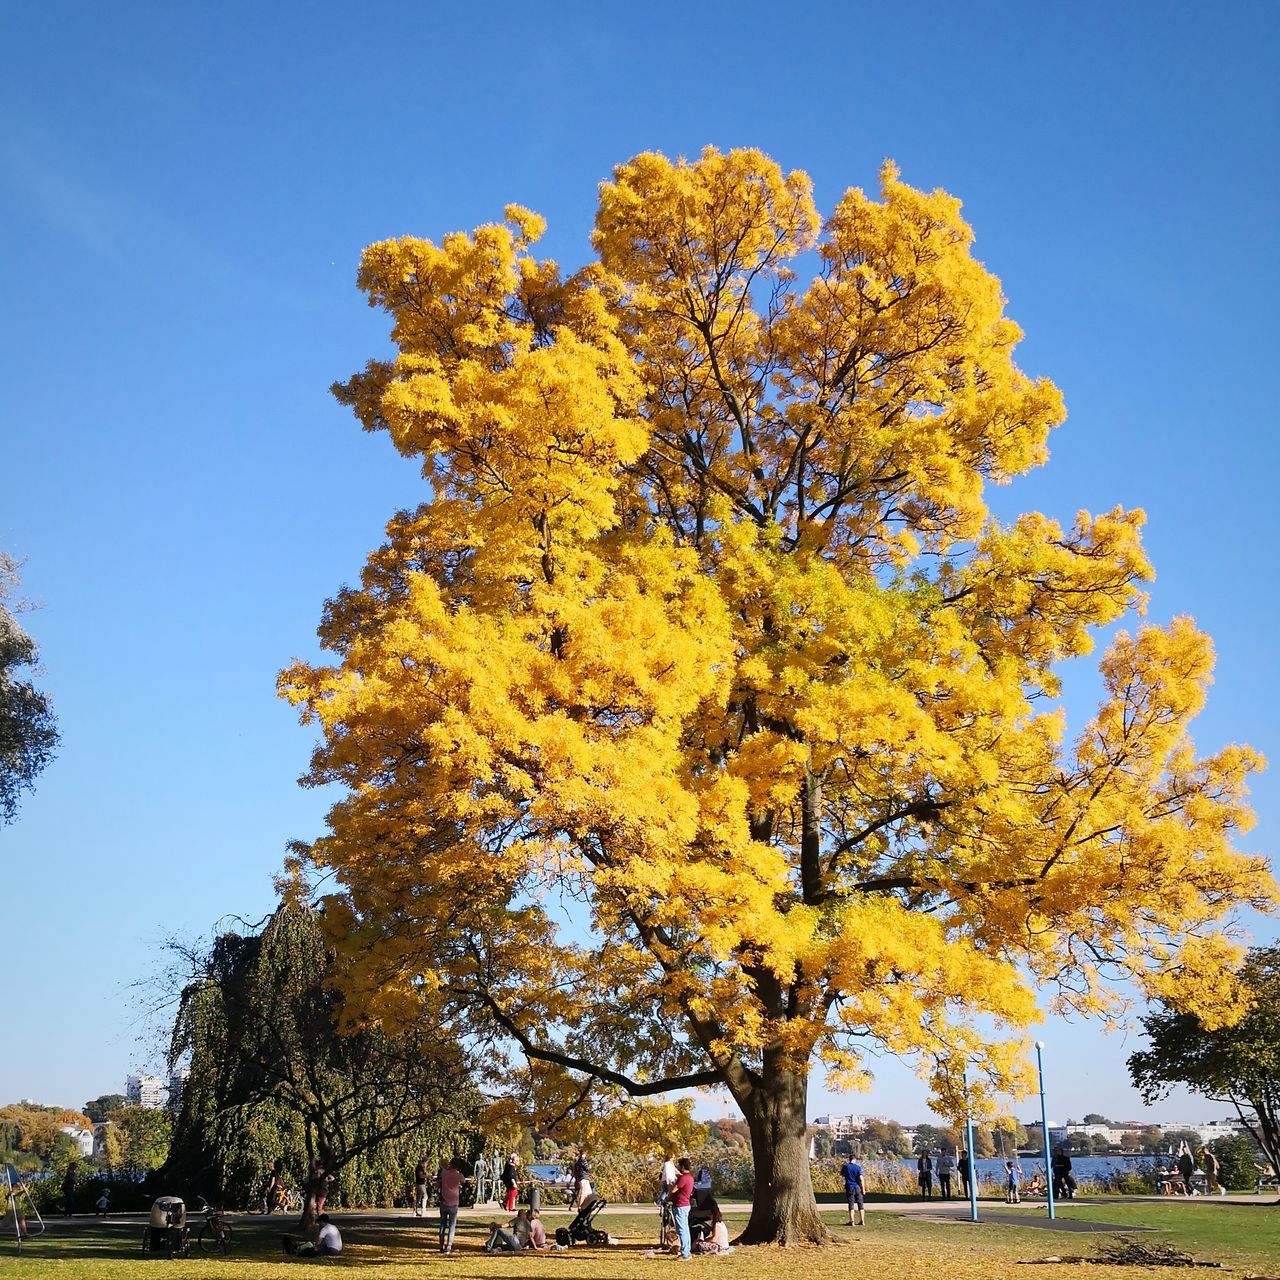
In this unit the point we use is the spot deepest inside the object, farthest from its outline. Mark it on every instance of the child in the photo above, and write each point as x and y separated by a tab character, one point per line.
1012	1176
102	1204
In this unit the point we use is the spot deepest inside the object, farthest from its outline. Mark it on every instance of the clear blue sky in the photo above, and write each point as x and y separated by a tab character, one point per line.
184	193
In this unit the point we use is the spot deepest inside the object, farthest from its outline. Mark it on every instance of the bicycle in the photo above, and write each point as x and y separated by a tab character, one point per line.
280	1202
215	1235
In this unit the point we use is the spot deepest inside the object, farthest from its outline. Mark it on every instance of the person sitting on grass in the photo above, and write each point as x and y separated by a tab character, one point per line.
718	1241
327	1244
513	1237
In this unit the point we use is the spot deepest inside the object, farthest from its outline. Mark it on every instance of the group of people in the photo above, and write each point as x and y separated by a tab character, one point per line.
678	1188
523	1231
1180	1177
944	1166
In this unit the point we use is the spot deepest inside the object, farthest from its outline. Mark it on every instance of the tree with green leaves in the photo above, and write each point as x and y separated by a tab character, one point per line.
276	1073
28	731
1237	1063
98	1109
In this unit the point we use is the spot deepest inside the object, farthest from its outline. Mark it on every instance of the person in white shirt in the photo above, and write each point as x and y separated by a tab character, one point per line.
667	1178
328	1238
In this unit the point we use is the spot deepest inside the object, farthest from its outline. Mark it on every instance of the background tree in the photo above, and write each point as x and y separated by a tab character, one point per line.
1152	1139
276	1074
140	1140
99	1108
1237	1063
1237	1162
706	644
1092	1117
28	731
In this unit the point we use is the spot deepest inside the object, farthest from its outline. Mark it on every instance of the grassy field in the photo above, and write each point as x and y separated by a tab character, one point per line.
893	1246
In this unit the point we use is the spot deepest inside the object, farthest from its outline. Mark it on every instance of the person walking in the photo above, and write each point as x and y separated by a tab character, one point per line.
421	1181
581	1172
451	1181
964	1167
1209	1162
854	1195
69	1189
510	1182
924	1173
681	1199
944	1168
1186	1167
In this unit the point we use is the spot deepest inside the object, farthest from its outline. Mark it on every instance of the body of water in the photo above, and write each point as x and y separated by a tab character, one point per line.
1083	1168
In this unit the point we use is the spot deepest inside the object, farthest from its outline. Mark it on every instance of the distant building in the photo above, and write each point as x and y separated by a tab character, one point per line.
846	1126
145	1091
83	1138
177	1082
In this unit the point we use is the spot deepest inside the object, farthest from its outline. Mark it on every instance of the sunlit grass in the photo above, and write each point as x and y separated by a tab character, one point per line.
893	1246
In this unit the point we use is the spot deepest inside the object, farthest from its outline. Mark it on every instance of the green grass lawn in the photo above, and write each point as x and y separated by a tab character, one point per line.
893	1246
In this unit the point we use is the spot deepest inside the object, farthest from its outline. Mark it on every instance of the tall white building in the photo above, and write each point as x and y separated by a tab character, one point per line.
145	1091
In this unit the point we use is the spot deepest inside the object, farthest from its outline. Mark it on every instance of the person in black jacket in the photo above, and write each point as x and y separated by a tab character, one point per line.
1064	1185
964	1169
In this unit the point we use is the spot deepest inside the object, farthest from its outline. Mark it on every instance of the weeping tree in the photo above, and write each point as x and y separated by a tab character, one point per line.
276	1072
701	723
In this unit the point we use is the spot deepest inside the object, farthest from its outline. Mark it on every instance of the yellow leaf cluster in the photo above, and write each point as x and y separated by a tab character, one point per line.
702	719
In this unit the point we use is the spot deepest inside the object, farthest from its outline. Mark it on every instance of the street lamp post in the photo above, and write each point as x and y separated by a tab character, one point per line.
973	1159
1044	1129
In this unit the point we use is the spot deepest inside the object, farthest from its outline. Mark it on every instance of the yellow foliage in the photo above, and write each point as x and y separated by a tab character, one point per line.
701	720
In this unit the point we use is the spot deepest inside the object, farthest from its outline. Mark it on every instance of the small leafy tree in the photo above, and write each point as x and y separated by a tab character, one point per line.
1237	1062
28	731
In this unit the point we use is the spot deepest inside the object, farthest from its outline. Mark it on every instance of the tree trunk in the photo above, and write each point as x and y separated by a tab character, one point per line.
783	1210
307	1223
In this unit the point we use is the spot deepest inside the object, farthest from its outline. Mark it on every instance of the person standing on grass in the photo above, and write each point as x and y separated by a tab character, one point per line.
451	1181
681	1199
851	1171
924	1173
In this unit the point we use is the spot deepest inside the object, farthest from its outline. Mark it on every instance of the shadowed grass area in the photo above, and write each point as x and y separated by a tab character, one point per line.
893	1246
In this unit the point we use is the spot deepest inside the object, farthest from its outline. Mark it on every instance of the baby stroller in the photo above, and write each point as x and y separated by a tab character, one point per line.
166	1232
580	1230
700	1220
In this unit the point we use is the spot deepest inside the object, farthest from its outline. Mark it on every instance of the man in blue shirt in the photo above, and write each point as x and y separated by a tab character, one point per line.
852	1173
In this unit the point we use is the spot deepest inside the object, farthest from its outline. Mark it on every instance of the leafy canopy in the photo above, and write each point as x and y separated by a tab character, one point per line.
702	719
1236	1061
28	730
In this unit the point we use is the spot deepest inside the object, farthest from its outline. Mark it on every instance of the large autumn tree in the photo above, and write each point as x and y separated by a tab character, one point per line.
702	723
